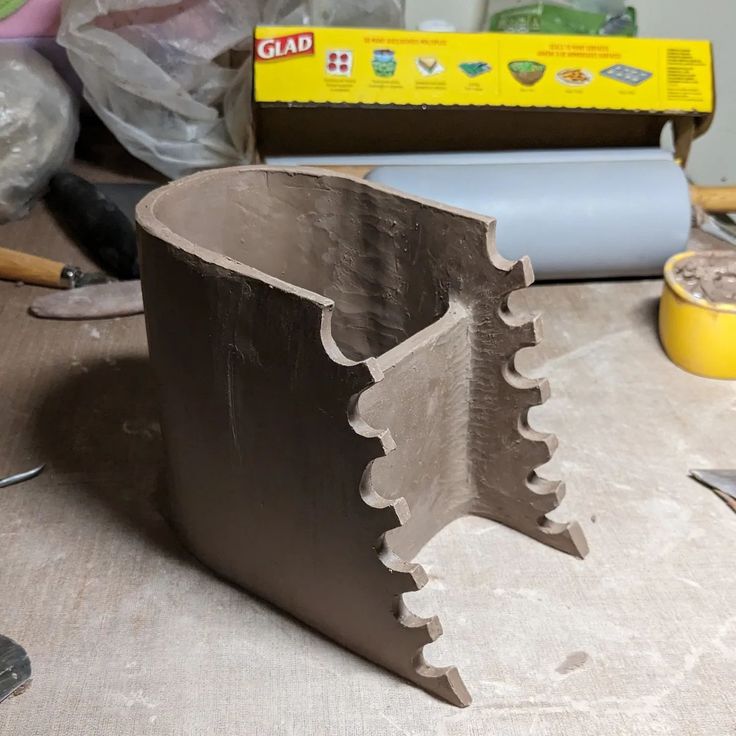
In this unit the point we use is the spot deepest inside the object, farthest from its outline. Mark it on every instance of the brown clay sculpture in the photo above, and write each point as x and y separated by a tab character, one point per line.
336	369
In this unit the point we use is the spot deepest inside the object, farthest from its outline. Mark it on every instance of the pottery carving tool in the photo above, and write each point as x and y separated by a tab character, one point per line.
110	219
717	200
18	266
721	482
15	668
581	213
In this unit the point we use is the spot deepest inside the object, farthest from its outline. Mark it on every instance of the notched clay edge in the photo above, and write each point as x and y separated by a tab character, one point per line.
404	576
446	682
546	493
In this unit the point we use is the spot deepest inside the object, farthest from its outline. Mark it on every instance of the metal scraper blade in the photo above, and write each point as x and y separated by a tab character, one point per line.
100	301
15	667
720	480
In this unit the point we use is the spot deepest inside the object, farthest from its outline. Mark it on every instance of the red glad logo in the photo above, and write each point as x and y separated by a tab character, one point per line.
296	44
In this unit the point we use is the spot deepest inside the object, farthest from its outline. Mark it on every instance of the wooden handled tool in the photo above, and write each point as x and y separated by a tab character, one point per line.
17	266
714	199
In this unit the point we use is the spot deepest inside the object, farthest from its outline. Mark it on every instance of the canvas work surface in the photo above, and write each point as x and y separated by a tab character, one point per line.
128	633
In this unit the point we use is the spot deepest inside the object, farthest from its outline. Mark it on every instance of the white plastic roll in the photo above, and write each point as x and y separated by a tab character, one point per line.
540	156
574	219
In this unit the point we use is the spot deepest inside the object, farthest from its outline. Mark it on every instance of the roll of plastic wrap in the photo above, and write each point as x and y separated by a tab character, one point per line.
574	219
540	156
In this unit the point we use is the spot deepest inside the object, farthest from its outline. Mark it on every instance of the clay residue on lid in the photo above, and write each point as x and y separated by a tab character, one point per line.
709	276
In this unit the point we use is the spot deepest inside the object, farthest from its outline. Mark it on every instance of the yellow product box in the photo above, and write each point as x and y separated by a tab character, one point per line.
392	69
376	67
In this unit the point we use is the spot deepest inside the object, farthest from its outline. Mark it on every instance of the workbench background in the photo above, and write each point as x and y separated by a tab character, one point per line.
129	635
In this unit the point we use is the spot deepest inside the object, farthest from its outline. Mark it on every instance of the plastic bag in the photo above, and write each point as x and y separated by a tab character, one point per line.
38	127
172	81
606	7
581	17
343	13
169	80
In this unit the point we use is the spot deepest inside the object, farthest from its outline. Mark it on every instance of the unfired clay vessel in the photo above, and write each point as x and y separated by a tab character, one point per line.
336	367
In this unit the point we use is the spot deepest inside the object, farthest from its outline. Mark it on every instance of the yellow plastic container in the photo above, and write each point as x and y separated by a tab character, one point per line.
697	334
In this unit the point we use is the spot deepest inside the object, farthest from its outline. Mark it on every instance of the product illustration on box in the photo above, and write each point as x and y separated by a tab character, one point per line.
339	62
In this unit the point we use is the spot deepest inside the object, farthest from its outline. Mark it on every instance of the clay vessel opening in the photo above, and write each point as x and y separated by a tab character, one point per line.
329	235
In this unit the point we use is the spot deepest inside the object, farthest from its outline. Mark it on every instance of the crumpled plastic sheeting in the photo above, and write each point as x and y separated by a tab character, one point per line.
38	127
172	80
169	80
341	13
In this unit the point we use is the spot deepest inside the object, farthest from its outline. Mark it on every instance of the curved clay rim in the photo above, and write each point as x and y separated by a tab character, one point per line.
684	294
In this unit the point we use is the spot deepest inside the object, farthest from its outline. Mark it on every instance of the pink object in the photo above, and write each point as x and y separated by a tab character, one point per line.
36	19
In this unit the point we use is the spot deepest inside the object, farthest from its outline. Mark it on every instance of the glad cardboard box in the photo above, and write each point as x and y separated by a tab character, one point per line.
283	47
335	90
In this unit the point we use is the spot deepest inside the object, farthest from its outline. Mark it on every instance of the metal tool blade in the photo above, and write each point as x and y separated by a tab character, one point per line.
15	667
100	301
72	277
88	279
720	480
11	480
